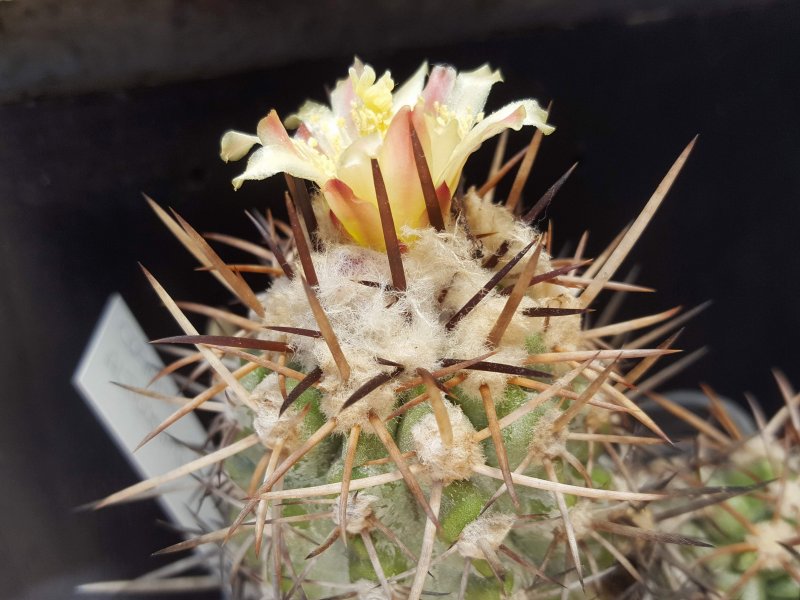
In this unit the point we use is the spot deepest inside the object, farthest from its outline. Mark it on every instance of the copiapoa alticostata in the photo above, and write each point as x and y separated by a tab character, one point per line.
418	404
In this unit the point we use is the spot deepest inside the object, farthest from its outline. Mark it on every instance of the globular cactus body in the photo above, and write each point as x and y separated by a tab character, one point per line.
417	383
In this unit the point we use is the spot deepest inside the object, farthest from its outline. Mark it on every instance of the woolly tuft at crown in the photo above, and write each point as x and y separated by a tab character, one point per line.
418	404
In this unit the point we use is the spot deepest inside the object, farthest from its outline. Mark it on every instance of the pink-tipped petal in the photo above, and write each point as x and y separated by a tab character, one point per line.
342	98
512	116
439	86
396	159
271	131
235	145
359	218
315	121
302	133
279	154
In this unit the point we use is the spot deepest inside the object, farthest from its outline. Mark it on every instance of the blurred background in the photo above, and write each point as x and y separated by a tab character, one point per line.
101	100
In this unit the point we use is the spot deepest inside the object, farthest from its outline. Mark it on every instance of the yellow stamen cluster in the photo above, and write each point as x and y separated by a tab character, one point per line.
466	119
320	160
372	108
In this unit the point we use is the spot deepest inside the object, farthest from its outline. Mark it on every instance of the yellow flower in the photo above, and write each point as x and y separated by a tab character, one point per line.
367	118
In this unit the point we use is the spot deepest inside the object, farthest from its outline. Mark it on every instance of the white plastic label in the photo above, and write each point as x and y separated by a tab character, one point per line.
118	352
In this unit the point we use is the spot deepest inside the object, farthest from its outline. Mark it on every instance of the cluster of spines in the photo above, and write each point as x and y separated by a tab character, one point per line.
585	366
754	535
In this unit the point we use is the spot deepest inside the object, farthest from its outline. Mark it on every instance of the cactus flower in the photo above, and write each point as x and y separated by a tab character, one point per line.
369	119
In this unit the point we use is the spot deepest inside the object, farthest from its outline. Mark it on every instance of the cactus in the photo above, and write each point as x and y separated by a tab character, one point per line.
415	403
753	534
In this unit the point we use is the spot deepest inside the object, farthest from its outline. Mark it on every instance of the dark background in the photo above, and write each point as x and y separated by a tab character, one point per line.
629	93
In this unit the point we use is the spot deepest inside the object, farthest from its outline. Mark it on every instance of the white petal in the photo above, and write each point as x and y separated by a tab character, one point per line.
535	115
270	160
235	145
358	66
323	126
439	86
512	116
308	110
471	90
410	91
342	98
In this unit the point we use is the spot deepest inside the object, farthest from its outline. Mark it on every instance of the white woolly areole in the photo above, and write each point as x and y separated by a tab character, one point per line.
545	441
371	321
581	518
563	332
487	217
757	449
484	217
490	530
595	418
328	232
496	382
789	494
359	511
766	540
268	399
447	463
